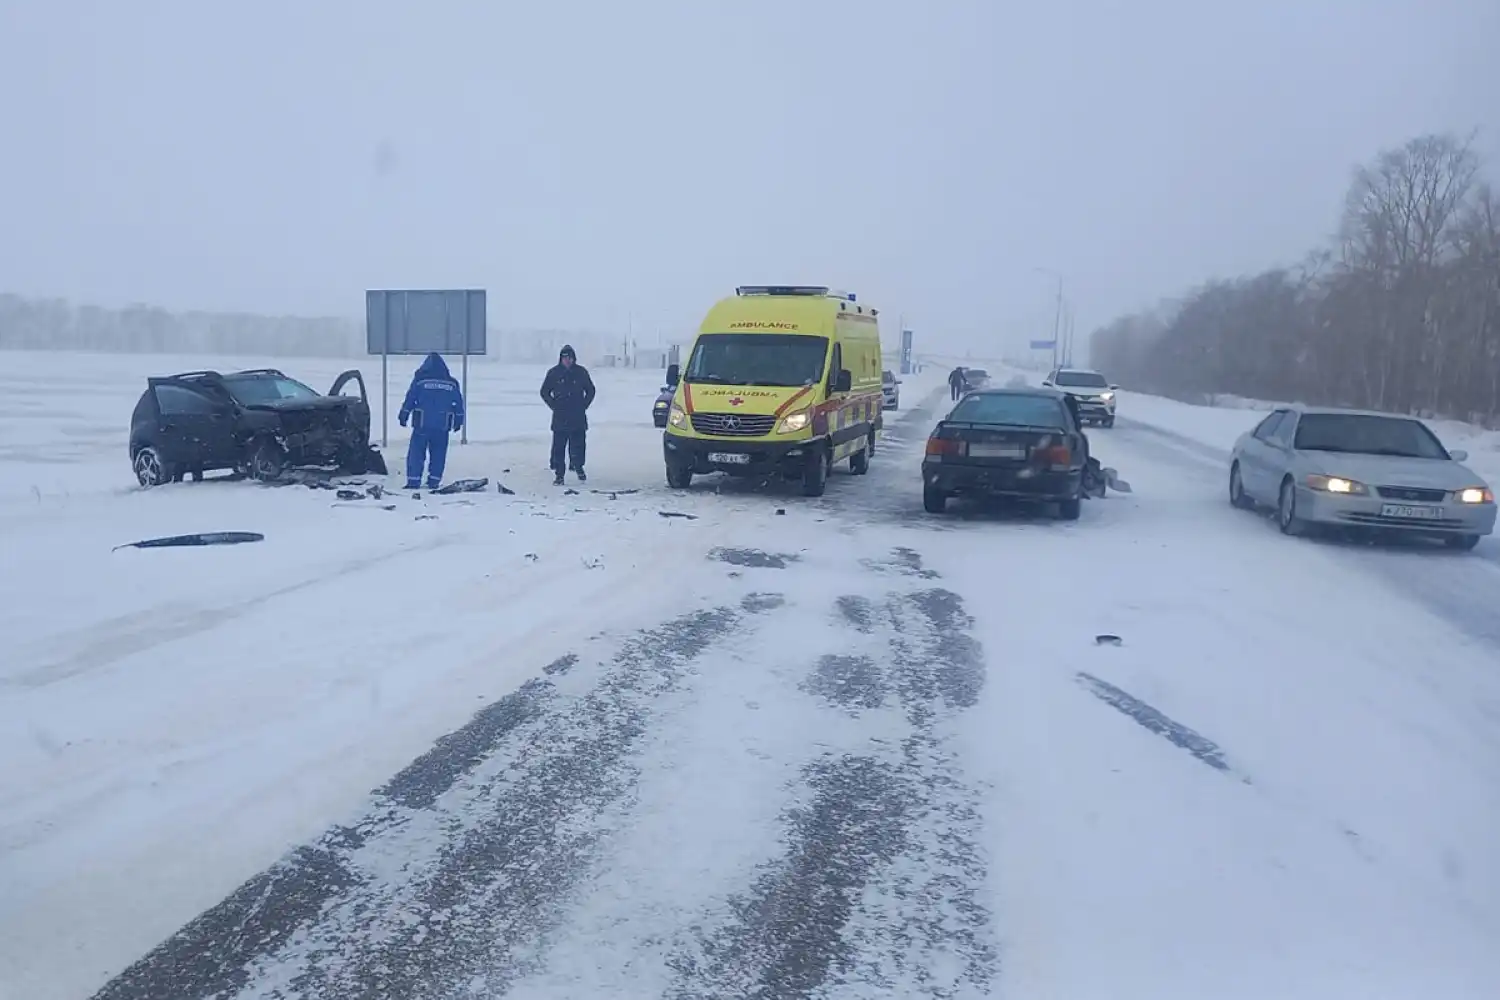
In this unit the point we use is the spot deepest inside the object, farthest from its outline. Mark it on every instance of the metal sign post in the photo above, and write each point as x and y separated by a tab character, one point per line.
424	321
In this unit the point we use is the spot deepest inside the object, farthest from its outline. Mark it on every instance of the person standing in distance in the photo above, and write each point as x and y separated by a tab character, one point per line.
568	391
956	382
435	405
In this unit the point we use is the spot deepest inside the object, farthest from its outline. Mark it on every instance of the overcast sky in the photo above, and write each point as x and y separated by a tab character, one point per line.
589	161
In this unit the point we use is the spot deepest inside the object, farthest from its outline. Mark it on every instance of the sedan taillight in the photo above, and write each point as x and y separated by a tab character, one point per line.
944	446
1056	455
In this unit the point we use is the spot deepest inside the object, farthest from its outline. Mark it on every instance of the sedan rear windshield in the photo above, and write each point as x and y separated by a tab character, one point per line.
1018	409
255	389
1083	380
1367	434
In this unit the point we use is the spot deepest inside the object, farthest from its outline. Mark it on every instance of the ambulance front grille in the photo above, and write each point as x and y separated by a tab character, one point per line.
733	424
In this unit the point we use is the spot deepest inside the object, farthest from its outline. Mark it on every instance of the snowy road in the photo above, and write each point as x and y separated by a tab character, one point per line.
782	748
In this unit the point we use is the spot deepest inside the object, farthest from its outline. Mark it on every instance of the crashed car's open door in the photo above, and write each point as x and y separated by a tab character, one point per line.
351	385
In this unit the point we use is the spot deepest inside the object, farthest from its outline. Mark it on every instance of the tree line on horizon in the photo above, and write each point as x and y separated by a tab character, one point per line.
1399	313
51	324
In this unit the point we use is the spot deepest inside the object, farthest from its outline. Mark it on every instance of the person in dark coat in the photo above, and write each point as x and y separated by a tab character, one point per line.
957	382
568	391
435	405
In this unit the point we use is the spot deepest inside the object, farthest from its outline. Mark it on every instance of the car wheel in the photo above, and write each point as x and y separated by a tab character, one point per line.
1237	497
679	476
1286	509
150	468
1109	421
815	474
934	501
267	460
1462	542
1070	509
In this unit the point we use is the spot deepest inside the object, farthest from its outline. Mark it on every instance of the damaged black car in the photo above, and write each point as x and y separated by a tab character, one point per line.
257	423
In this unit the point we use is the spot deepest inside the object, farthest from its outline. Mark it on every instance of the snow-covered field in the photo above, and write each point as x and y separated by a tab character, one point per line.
779	747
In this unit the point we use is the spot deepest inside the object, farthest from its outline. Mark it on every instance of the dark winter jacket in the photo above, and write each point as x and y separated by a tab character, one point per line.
956	378
434	402
568	391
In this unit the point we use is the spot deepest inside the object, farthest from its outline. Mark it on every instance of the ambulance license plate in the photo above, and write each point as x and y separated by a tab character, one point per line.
729	457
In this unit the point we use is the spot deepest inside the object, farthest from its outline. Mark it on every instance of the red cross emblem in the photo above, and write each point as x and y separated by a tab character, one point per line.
736	401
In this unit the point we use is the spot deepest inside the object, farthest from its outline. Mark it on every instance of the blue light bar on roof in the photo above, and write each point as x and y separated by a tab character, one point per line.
781	290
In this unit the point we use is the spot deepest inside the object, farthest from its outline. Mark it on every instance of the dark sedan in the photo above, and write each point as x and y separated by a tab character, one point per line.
1018	444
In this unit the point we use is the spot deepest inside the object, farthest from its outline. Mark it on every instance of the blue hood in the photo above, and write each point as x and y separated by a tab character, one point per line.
433	366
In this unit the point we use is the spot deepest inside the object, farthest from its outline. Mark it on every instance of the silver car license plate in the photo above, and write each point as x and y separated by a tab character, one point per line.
978	450
729	457
1410	512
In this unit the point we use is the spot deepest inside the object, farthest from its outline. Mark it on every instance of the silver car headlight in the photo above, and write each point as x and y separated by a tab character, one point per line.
1475	494
677	418
1107	396
1338	484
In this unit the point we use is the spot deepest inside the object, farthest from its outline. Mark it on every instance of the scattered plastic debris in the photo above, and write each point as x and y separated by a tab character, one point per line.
349	495
1108	640
200	538
425	517
673	513
462	486
502	488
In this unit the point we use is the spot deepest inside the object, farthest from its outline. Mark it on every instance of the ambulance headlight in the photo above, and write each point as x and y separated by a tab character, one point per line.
793	422
677	418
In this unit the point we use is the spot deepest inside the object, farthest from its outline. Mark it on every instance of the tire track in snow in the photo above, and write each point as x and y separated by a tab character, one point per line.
451	880
878	888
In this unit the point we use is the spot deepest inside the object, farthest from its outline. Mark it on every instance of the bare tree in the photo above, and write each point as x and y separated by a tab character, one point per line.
1402	313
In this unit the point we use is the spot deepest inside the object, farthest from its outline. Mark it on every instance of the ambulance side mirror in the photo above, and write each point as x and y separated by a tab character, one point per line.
844	382
674	374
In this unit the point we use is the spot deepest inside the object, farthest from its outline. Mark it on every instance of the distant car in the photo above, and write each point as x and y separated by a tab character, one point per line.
890	390
1355	469
662	406
1093	392
976	379
1018	444
258	422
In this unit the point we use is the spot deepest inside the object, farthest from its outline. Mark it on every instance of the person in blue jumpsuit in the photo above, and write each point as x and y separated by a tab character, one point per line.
435	405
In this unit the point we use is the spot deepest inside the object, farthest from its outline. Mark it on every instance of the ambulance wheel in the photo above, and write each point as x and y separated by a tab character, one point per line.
679	476
815	475
859	462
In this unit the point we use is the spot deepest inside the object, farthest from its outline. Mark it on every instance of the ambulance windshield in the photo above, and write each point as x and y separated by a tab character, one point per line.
777	359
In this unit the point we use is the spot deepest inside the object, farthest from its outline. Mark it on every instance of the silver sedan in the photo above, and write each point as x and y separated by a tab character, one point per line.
1356	469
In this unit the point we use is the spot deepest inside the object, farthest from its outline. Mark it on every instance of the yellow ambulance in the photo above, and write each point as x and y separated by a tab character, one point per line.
781	380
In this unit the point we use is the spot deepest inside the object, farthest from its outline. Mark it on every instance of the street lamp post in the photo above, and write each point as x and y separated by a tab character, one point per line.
1057	313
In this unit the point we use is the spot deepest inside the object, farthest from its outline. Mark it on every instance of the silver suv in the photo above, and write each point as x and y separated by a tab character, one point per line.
1093	393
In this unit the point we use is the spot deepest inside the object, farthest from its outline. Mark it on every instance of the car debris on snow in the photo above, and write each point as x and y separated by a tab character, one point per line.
198	538
462	486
